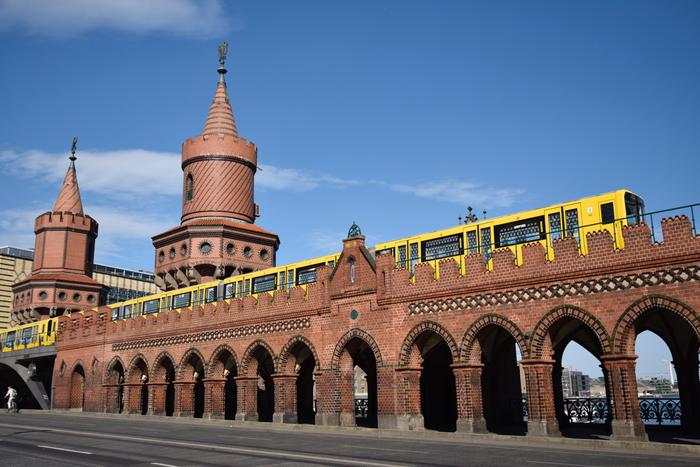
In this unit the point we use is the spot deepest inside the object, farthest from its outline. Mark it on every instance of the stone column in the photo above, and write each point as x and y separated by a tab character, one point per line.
347	397
408	382
184	398
132	398
327	398
541	411
285	398
621	379
247	398
470	407
214	398
156	398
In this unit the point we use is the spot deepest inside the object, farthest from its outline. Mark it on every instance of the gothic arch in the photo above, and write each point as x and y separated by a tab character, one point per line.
284	353
183	362
347	337
248	355
538	343
623	334
211	364
159	360
467	347
76	364
110	368
420	328
132	364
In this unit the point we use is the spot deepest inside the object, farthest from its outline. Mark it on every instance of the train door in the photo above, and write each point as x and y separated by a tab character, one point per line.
573	224
607	216
554	219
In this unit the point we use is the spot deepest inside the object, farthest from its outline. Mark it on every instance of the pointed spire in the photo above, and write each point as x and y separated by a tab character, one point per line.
69	196
220	119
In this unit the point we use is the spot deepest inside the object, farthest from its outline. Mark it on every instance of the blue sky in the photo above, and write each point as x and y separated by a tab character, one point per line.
394	114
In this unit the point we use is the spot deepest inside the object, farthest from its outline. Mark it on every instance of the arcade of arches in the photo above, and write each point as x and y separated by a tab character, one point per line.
424	361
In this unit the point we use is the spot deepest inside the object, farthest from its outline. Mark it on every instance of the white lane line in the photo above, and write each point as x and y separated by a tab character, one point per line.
383	449
237	450
63	449
229	436
164	465
561	463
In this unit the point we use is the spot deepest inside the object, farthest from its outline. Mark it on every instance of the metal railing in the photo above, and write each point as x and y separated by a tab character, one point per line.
361	407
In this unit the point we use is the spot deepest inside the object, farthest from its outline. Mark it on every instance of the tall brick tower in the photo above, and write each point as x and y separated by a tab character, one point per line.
216	237
64	248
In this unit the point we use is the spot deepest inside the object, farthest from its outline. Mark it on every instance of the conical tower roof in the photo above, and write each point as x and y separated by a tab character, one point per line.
220	119
69	197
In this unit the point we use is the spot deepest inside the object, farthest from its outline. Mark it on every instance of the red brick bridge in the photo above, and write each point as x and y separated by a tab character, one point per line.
438	353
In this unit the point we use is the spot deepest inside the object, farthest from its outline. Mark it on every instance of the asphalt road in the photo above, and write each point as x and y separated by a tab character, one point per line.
70	440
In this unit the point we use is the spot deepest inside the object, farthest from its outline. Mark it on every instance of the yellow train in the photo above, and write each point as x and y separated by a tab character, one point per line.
610	211
28	336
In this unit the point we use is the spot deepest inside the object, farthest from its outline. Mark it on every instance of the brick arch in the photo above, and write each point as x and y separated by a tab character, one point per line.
180	368
77	385
284	353
538	341
469	339
347	337
624	328
110	367
76	364
248	355
159	359
417	331
211	364
132	364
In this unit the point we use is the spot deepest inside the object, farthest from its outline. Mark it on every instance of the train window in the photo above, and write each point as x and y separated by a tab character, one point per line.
414	257
634	207
126	311
571	216
210	295
181	300
26	336
10	339
264	283
443	247
307	274
555	226
385	251
523	231
246	287
240	289
229	291
281	280
607	213
486	243
49	327
402	256
201	296
115	313
472	244
150	306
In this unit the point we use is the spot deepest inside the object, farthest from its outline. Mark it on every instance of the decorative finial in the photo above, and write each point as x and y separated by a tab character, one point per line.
73	148
223	50
354	231
471	218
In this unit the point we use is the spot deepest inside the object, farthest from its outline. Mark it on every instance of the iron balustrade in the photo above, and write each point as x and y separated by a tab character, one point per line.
361	407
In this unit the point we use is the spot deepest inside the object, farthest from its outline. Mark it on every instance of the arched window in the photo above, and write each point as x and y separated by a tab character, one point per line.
351	264
189	188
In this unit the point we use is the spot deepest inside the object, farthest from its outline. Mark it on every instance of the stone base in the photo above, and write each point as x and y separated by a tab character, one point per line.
471	425
184	413
246	417
407	422
347	419
548	428
328	419
213	416
627	430
284	417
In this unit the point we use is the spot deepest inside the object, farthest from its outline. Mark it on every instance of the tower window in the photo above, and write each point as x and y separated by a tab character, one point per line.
189	187
351	263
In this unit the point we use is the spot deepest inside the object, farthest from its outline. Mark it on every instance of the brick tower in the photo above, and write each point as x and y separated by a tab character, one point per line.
216	237
64	248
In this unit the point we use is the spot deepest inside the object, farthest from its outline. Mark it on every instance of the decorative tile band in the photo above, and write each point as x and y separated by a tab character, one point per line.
218	334
593	286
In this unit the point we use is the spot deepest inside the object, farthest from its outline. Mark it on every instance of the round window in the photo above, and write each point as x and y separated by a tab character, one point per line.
76	297
183	250
264	255
61	296
205	248
247	252
43	295
230	249
171	253
90	298
161	257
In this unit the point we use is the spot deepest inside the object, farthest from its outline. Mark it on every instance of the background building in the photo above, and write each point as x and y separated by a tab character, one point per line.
575	384
16	265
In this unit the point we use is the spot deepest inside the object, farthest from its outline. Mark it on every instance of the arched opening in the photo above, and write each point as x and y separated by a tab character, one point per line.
584	399
438	396
194	368
501	386
164	377
224	366
358	384
667	374
578	416
304	363
265	385
77	388
9	377
138	389
116	378
189	187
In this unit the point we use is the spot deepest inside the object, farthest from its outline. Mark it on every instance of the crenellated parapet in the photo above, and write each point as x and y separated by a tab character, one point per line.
220	145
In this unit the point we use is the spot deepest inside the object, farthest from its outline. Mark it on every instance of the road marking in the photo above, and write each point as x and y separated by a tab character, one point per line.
63	449
230	436
164	465
561	463
382	449
237	450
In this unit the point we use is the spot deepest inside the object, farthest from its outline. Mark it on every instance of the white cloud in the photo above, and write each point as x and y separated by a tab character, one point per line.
462	192
298	180
71	17
17	227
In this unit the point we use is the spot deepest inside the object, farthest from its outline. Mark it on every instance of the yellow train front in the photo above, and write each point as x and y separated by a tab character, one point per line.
29	336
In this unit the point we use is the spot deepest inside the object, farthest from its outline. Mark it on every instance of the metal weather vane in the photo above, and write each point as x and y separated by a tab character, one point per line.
73	148
223	50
